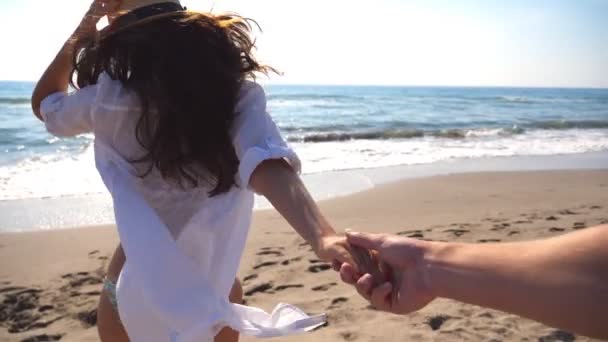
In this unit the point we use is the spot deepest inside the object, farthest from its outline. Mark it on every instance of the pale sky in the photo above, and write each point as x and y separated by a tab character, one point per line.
554	43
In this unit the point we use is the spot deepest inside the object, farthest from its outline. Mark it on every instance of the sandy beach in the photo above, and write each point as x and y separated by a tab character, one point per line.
50	280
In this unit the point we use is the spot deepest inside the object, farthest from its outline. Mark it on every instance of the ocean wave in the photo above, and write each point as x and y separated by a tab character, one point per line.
324	135
515	99
15	100
67	173
310	97
522	99
406	134
343	136
570	124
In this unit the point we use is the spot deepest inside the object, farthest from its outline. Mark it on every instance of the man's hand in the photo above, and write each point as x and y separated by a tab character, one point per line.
409	289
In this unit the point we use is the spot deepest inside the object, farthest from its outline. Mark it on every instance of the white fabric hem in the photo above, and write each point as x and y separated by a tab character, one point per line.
51	104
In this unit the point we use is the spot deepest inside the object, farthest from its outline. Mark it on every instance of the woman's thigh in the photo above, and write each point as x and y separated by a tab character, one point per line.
108	322
110	327
236	296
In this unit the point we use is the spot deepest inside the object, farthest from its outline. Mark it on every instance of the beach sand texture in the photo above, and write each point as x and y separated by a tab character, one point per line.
50	281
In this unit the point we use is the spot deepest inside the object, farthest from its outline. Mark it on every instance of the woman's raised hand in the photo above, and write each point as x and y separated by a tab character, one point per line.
97	10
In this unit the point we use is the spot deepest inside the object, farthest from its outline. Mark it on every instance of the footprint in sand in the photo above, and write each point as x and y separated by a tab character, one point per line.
457	232
349	336
567	212
558	336
271	248
88	318
486	315
88	293
522	222
43	338
324	287
18	309
556	229
45	308
336	302
265	264
552	218
414	234
501	226
250	277
339	300
289	261
262	288
81	279
291	286
319	268
515	232
488	240
436	322
11	289
579	225
595	207
270	252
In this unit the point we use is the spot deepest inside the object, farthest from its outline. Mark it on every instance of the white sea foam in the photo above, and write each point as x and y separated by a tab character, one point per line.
50	176
355	154
63	174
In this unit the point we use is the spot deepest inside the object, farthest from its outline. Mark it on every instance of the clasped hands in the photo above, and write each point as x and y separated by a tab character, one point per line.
391	272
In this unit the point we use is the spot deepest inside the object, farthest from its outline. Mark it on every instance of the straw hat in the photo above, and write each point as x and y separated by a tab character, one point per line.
136	12
129	5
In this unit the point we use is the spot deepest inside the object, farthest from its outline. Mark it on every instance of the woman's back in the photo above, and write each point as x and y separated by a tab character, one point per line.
176	143
114	112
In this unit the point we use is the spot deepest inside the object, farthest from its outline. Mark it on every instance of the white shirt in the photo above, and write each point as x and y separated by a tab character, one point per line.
183	248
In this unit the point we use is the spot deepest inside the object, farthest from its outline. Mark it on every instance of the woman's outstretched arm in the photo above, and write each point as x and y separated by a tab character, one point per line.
281	185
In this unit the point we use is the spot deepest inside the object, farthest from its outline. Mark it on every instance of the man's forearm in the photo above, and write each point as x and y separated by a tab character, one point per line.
559	281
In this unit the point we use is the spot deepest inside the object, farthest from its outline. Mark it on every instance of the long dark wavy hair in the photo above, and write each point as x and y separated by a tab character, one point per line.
186	70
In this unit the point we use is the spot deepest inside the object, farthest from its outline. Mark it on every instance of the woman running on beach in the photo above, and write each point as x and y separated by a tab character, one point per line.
182	141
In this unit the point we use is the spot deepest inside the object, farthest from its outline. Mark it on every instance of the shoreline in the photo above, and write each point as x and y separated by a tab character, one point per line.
40	214
59	271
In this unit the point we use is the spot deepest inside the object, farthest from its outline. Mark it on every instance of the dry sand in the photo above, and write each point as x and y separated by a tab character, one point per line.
50	281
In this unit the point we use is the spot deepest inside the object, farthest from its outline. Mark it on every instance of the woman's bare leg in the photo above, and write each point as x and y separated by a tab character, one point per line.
108	322
109	327
236	296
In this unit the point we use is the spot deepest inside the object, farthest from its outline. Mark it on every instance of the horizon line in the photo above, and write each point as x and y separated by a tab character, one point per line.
274	83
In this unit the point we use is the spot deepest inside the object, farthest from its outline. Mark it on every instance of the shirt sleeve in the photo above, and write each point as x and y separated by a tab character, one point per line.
68	115
256	137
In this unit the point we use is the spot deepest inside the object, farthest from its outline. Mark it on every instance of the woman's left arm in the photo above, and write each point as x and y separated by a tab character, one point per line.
280	184
56	77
